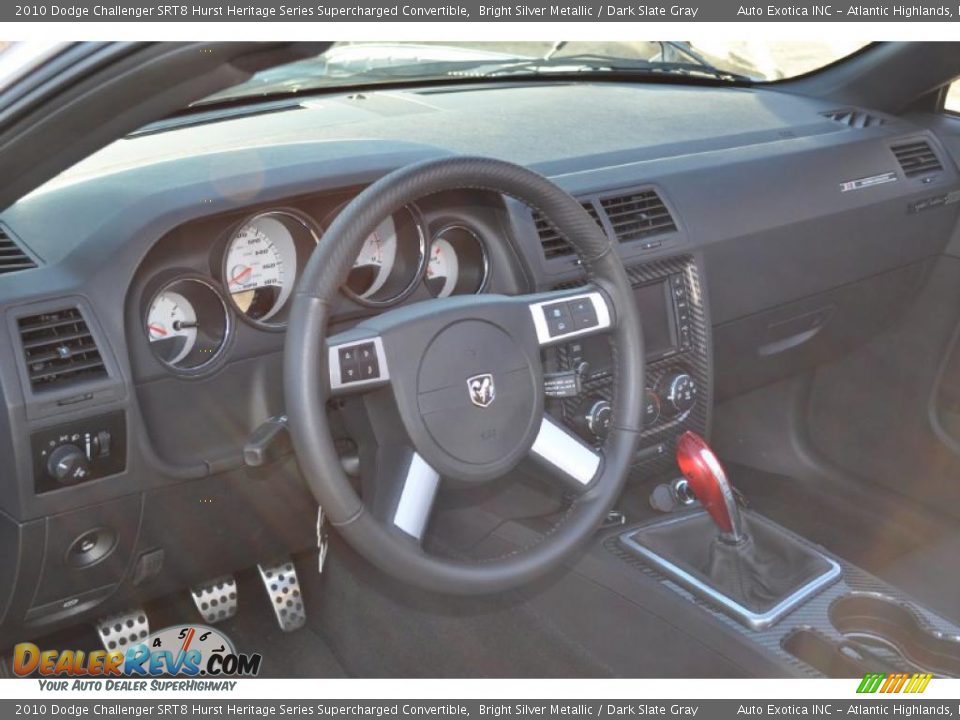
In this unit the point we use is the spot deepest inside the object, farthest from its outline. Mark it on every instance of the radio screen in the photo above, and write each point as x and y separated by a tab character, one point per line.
656	316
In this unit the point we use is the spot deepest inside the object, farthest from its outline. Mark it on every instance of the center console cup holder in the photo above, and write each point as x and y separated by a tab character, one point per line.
874	620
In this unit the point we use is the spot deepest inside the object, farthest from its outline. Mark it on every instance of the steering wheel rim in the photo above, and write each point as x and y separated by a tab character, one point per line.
308	384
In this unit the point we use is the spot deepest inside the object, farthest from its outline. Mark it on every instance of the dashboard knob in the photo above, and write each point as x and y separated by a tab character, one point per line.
67	464
598	415
677	391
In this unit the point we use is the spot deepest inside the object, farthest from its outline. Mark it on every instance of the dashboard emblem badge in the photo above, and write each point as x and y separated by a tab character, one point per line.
481	389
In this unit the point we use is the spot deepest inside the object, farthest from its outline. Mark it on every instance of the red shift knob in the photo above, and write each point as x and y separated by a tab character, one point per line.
709	483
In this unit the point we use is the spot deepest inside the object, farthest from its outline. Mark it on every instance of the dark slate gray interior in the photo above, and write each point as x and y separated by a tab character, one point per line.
825	325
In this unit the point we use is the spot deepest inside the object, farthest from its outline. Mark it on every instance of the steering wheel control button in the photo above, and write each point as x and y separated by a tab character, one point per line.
356	363
349	373
559	320
584	314
580	315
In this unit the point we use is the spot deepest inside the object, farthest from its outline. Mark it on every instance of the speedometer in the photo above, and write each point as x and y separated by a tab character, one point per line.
261	262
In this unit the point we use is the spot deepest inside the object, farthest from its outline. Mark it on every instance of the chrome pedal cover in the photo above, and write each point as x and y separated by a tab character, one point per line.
283	589
120	631
217	600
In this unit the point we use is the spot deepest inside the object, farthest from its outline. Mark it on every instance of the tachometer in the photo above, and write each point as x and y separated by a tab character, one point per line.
260	266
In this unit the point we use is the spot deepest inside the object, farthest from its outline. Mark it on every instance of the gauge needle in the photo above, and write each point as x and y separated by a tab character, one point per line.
156	330
240	275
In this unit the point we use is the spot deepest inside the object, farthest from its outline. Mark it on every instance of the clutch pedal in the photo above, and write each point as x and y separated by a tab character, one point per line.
283	589
117	632
217	600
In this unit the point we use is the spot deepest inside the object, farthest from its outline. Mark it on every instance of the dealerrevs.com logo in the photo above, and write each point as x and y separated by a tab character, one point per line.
189	651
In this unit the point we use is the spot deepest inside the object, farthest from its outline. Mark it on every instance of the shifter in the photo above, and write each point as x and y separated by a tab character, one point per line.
750	567
709	483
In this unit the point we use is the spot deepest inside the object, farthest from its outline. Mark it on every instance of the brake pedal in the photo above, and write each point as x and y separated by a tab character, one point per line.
119	631
217	600
283	589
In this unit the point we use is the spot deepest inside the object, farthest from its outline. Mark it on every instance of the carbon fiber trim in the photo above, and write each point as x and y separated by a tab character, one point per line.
812	614
696	361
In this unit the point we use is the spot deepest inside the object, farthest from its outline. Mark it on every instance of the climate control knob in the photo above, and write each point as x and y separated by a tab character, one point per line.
678	392
597	416
67	464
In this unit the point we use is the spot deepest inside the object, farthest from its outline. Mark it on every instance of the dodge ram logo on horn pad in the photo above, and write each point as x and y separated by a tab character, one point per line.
482	390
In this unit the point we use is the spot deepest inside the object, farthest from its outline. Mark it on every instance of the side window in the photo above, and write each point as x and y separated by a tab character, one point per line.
952	102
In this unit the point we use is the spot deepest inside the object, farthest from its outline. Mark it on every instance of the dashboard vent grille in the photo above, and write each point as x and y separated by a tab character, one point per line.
638	215
854	118
12	257
59	349
553	243
917	158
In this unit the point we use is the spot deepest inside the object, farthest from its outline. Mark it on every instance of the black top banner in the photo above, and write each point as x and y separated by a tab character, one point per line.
447	11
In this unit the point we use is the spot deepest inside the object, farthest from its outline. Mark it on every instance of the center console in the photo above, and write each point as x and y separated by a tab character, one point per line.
781	593
672	308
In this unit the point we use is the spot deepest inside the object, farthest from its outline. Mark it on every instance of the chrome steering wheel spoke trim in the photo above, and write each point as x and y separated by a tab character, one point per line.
566	456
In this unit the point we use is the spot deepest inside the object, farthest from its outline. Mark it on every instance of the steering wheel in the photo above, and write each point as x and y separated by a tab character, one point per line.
455	386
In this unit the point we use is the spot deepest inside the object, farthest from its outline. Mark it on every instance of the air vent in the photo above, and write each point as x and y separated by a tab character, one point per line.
638	215
553	243
854	118
12	258
917	158
59	349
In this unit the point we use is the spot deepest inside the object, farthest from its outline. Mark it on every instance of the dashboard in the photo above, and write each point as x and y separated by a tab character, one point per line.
145	345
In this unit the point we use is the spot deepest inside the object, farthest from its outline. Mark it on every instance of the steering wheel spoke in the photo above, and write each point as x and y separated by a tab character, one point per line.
562	315
402	490
356	364
565	456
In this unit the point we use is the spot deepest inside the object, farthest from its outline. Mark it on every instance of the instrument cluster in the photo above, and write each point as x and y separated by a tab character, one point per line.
257	262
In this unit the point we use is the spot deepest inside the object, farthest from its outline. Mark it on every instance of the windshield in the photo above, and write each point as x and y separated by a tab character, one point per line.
365	63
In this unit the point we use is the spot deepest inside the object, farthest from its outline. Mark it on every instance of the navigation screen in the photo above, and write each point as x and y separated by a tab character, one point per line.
656	315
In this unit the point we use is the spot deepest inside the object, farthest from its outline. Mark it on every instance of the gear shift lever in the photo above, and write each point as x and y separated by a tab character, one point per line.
709	483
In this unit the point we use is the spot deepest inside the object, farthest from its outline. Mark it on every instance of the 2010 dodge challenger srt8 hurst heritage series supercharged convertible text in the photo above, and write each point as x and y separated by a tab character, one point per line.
513	359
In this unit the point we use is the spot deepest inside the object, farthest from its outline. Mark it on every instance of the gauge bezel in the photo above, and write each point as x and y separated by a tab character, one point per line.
308	224
481	246
419	225
167	283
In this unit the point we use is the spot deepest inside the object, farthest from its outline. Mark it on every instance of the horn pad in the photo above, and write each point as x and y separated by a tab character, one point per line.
479	396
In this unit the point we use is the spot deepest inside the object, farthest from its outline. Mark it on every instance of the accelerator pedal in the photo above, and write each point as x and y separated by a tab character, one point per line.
283	588
217	599
120	631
